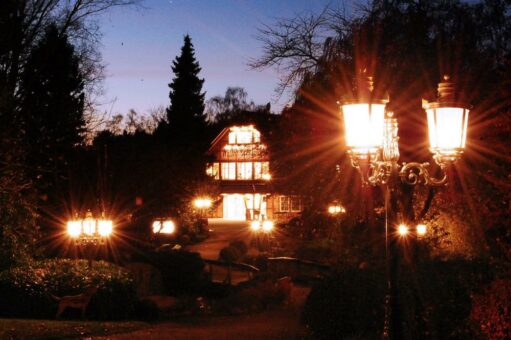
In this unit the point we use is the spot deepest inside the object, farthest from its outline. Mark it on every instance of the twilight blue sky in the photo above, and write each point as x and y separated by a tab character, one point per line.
139	45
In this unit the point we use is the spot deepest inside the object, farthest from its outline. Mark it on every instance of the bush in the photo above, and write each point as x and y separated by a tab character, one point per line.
347	304
26	291
182	272
256	295
491	310
320	250
433	299
234	252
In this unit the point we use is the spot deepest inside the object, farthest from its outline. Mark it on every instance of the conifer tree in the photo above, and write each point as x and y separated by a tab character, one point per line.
186	112
52	105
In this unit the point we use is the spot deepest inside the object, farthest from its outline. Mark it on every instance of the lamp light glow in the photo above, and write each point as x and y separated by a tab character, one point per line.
364	126
202	203
105	227
255	225
156	226
89	226
74	228
421	229
402	230
335	209
168	227
90	229
267	226
447	124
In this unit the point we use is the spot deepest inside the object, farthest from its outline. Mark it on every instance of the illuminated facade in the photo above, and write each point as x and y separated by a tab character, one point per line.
242	166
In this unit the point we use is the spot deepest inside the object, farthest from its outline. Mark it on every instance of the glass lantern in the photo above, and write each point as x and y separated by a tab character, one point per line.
447	124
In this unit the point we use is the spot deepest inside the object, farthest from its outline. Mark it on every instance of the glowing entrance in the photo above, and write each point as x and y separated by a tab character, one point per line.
244	206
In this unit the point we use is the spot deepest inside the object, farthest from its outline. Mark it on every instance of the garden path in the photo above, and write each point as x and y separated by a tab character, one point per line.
271	324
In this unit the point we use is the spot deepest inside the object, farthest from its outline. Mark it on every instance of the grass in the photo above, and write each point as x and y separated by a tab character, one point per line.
53	329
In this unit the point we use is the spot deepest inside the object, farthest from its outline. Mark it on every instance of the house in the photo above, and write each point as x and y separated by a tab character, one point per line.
241	164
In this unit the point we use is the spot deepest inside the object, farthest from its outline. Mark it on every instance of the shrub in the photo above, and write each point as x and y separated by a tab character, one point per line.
26	291
234	252
319	250
433	299
491	310
181	271
252	296
347	304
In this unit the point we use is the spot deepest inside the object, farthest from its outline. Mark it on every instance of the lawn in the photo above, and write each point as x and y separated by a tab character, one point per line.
51	329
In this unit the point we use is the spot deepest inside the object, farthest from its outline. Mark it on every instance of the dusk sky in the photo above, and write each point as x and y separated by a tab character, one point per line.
139	45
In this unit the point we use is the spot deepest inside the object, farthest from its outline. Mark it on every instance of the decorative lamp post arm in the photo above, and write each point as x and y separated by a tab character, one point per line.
417	173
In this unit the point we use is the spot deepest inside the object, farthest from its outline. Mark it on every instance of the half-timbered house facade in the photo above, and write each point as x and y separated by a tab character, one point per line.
242	166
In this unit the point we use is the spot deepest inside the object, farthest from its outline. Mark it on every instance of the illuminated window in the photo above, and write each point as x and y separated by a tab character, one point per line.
265	168
261	170
283	203
232	138
296	203
244	170
244	137
213	170
257	136
290	204
257	170
229	170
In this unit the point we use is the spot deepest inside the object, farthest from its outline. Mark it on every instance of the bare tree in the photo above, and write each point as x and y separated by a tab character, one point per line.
296	46
23	23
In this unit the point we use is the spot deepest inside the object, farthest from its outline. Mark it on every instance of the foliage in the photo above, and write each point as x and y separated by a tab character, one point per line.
18	228
182	272
26	290
60	329
491	310
349	304
256	295
52	103
407	46
433	300
234	252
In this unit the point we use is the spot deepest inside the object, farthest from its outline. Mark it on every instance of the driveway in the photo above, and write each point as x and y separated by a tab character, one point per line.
222	232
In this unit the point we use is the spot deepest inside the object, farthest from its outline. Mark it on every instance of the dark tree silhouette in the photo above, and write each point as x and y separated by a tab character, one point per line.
52	103
186	111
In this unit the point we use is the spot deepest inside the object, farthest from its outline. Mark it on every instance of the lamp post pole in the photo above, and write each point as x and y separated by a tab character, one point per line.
372	139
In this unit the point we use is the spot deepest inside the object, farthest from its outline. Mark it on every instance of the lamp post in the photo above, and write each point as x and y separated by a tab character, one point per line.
90	232
372	141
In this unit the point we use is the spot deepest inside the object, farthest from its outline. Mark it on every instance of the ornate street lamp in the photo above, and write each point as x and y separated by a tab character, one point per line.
372	141
90	232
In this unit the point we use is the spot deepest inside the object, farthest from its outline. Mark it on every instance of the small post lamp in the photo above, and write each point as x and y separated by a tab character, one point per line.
265	226
164	226
202	203
336	209
402	230
421	230
90	232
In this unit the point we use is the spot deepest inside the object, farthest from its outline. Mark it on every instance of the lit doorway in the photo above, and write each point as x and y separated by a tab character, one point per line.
244	206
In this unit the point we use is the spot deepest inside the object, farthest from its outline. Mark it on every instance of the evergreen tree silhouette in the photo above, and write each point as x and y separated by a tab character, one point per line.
186	112
52	107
